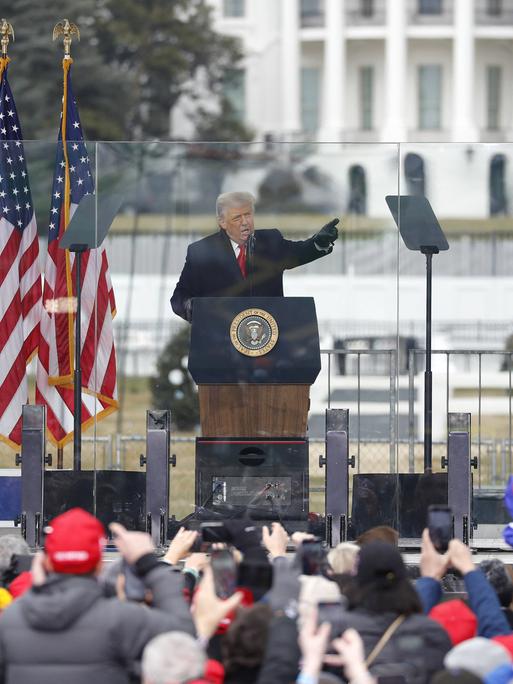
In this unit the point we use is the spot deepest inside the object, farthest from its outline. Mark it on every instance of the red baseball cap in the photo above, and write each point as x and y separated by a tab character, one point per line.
74	542
456	618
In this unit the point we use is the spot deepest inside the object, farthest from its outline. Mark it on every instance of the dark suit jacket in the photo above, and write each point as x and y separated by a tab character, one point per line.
211	268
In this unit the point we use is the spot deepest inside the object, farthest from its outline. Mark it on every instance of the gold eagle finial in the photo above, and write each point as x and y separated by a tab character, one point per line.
68	30
6	30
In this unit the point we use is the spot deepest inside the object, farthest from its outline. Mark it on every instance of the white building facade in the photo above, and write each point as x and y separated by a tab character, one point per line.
371	70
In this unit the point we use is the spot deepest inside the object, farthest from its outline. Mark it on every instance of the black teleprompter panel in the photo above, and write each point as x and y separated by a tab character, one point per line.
120	495
398	500
265	478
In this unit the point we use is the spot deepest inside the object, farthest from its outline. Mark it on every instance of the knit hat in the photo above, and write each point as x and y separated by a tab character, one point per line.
74	542
380	563
505	640
478	655
457	619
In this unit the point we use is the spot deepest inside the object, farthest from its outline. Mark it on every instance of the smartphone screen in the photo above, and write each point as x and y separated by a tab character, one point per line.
332	612
224	568
440	526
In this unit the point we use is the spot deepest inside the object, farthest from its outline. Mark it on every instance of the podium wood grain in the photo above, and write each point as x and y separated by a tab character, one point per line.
254	410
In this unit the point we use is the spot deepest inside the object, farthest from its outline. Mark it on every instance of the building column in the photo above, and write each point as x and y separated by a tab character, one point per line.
334	73
290	67
464	128
394	126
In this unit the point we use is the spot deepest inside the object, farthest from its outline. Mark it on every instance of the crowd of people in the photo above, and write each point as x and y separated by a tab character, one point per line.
247	609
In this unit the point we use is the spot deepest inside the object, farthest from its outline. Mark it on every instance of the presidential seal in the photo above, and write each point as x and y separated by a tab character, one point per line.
254	332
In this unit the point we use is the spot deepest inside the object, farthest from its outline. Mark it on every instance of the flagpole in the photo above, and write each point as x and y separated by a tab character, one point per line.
67	30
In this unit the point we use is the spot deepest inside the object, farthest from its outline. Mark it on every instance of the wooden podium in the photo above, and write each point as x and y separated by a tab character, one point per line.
254	396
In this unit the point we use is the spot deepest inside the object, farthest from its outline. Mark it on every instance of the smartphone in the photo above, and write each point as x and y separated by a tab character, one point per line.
224	569
135	589
331	611
441	526
312	555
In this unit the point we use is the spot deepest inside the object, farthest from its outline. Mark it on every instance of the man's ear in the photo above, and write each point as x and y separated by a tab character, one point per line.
221	223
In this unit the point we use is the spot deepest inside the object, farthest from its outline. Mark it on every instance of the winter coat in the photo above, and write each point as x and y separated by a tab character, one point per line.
415	651
482	600
66	632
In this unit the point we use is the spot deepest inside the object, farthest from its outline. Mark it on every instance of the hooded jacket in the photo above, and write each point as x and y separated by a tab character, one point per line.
65	631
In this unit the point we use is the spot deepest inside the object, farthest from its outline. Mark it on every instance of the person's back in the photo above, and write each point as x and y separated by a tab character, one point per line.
65	631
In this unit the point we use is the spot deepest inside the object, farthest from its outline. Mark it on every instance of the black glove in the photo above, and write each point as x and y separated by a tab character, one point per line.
327	235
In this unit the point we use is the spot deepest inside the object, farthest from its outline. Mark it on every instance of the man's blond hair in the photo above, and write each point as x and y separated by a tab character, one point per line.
227	200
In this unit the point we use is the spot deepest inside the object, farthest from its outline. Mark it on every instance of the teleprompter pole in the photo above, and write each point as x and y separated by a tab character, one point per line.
77	373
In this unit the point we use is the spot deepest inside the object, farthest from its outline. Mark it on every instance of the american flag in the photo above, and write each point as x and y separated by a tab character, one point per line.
20	277
72	180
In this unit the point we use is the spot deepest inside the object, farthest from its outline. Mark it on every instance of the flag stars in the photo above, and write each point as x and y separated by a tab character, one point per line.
54	210
4	131
52	226
80	181
83	160
12	176
75	146
20	223
5	209
10	112
57	195
59	179
18	143
21	158
6	146
9	160
76	124
18	207
15	128
27	205
2	194
15	191
72	169
63	163
23	174
25	189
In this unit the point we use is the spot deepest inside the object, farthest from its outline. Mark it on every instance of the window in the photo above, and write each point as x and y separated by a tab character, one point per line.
494	7
367	8
235	91
430	96
357	190
498	200
430	6
414	174
310	98
493	97
312	12
233	8
366	97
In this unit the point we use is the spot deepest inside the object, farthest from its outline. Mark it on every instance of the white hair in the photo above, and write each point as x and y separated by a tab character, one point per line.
233	199
172	658
343	557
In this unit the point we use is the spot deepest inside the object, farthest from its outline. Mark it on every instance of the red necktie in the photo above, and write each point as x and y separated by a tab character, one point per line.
241	260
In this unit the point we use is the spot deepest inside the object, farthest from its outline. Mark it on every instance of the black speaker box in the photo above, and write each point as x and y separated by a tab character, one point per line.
267	478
